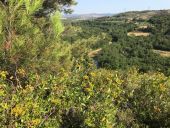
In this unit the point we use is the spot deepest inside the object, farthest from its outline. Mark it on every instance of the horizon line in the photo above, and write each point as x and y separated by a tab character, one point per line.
118	12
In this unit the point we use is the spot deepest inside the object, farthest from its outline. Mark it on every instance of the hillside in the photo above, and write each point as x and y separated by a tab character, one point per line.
143	15
128	39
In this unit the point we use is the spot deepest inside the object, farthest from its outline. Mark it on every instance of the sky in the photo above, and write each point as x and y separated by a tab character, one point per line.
116	6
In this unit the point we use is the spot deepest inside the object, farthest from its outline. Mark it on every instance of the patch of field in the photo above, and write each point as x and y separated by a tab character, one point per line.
95	52
143	27
162	53
138	34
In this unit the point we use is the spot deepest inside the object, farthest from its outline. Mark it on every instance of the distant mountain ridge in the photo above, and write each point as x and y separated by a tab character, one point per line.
86	16
125	15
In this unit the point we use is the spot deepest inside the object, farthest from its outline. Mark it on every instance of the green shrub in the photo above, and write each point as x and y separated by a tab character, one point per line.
146	98
86	98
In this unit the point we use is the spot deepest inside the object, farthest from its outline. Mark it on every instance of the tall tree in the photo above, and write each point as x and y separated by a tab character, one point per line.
29	42
49	6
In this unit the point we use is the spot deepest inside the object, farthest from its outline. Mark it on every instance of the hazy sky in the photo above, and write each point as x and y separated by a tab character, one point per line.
115	6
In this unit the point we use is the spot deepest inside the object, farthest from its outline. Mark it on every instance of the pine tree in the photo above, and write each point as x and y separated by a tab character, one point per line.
29	42
48	6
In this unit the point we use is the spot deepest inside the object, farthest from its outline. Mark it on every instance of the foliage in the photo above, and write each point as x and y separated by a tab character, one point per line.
145	99
47	6
88	98
120	51
30	42
49	82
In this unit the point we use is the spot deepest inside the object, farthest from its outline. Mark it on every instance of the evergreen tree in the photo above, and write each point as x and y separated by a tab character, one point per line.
48	6
28	42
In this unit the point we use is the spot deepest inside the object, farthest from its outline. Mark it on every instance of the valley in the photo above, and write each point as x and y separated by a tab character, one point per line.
128	39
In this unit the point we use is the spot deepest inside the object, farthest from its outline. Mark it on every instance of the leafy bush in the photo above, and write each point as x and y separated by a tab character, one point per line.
146	98
88	98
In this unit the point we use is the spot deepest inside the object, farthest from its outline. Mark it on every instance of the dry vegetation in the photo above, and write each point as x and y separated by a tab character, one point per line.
143	27
94	53
138	34
162	53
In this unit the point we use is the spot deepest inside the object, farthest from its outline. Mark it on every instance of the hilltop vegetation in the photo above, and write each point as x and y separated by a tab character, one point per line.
129	40
56	77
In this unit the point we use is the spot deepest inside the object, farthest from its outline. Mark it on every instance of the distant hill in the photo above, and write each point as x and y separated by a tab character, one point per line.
136	38
141	14
86	16
125	15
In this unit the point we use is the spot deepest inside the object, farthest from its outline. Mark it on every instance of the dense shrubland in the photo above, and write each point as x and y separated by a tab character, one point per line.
121	51
48	81
86	97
